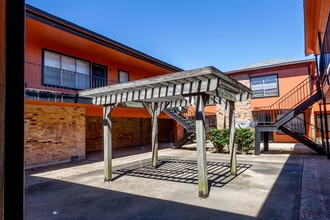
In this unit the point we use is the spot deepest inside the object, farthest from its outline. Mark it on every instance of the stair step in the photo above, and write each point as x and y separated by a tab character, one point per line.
303	139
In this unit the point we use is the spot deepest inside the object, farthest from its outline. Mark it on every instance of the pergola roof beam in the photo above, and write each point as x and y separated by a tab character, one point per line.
213	82
194	87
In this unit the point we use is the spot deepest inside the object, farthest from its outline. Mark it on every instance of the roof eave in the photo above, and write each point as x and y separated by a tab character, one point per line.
315	18
270	66
60	23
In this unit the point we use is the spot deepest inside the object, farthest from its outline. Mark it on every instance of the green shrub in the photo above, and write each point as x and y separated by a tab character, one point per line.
219	138
244	139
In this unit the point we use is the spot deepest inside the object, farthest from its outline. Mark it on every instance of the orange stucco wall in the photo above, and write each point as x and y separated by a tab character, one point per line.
289	77
40	36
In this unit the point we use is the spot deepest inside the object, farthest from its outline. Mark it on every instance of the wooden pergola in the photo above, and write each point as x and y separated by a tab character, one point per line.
193	87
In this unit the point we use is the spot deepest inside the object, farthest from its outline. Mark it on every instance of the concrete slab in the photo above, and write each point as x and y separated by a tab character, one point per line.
269	186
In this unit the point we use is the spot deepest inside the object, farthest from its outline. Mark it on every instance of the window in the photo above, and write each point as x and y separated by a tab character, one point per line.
99	75
123	76
65	72
262	118
264	86
210	121
318	122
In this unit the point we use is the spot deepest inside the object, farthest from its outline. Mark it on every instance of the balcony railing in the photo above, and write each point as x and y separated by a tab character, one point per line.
59	80
267	115
325	54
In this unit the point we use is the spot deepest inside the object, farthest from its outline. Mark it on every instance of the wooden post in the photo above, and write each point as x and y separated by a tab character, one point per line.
154	109
107	140
233	161
203	187
154	140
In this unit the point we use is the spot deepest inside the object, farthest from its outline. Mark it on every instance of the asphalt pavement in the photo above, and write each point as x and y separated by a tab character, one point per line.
288	182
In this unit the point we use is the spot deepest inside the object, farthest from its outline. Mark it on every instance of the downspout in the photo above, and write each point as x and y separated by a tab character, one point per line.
312	116
318	84
324	107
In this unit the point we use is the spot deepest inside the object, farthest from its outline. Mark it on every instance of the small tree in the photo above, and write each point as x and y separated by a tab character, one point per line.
219	138
244	138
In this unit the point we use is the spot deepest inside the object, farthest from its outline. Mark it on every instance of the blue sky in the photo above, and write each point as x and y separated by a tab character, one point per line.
193	33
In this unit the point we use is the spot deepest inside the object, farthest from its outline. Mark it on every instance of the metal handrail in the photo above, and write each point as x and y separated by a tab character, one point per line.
44	77
295	127
289	101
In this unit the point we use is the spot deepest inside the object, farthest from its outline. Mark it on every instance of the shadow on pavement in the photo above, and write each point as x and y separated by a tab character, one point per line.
57	199
289	191
183	171
63	200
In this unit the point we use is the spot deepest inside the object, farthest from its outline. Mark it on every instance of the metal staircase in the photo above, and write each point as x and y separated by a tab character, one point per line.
186	122
299	133
277	116
184	135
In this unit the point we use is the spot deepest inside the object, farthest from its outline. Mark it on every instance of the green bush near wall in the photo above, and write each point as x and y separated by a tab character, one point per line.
244	139
219	138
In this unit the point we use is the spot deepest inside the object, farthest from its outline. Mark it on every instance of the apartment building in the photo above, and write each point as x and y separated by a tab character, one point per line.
62	59
317	43
272	80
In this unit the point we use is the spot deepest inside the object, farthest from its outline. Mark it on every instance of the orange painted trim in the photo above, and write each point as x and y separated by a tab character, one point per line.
315	19
36	102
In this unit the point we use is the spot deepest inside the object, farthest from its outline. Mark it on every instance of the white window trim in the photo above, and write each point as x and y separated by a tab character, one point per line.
120	78
79	80
264	85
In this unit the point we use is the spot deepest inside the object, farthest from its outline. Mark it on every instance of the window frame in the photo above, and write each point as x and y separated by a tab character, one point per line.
123	71
277	86
318	122
209	119
44	50
93	77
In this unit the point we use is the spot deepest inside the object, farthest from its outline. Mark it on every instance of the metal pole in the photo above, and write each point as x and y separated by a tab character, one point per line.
256	141
266	141
322	129
326	127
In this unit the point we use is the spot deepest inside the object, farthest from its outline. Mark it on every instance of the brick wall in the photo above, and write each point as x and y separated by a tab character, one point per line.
243	110
53	134
125	132
94	133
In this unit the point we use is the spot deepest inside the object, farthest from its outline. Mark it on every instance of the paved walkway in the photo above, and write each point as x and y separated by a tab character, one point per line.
288	182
